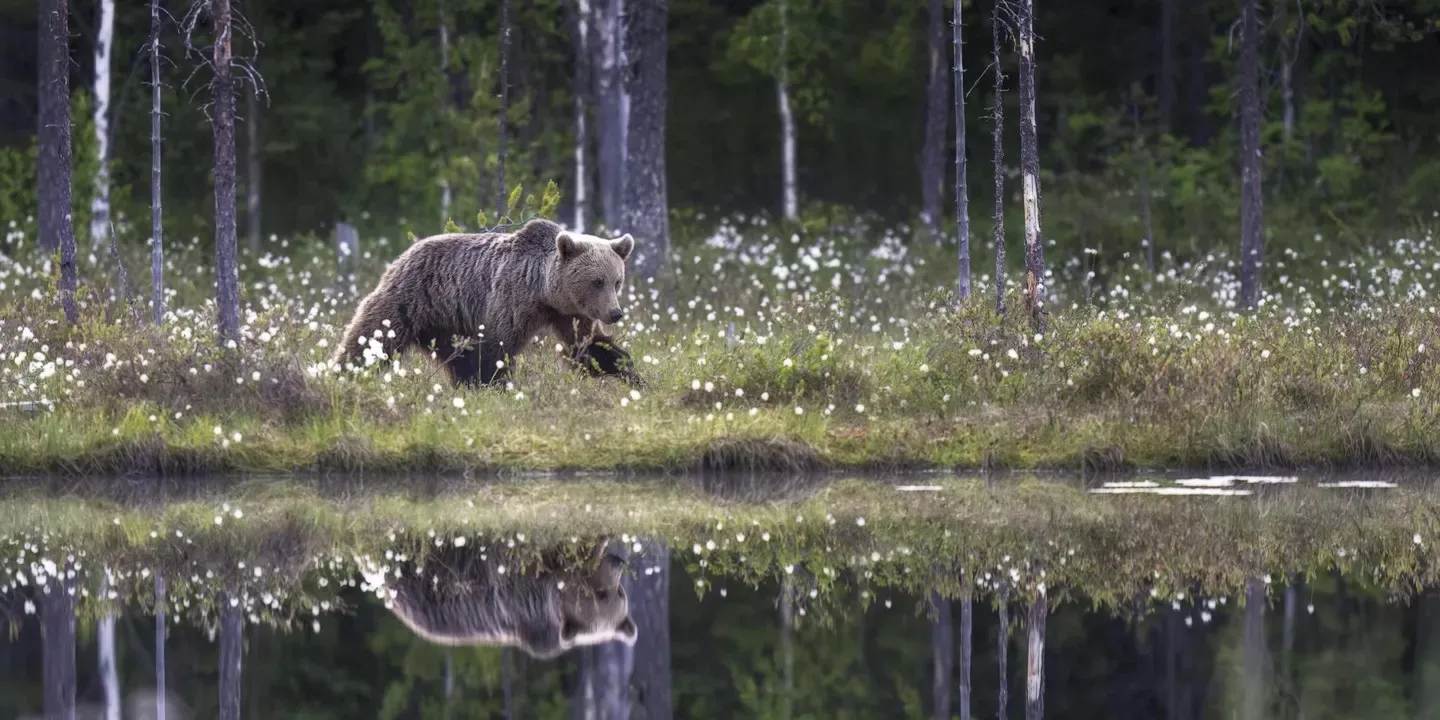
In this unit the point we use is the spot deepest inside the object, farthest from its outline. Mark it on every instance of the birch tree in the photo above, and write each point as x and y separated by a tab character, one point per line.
232	628
962	189
932	156
100	201
1035	659
582	93
1030	171
789	201
109	675
1251	201
53	167
645	204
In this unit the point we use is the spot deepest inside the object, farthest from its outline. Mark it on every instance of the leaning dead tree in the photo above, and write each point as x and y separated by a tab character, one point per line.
221	110
1030	170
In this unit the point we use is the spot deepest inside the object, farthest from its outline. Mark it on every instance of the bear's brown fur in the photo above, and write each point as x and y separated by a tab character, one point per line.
475	596
497	290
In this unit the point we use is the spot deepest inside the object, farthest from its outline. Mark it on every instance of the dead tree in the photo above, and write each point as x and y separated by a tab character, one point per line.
1030	171
53	169
962	189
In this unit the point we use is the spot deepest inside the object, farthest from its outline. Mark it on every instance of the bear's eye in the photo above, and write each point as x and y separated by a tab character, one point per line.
617	284
598	283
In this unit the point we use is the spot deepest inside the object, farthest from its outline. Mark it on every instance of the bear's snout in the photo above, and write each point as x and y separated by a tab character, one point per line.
617	315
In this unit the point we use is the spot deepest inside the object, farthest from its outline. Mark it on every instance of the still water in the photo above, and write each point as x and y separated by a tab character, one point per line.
243	614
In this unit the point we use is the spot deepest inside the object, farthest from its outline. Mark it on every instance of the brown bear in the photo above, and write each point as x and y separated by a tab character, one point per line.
478	596
495	291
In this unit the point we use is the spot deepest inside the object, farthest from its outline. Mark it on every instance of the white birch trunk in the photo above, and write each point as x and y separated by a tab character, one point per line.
109	675
1035	659
789	202
100	202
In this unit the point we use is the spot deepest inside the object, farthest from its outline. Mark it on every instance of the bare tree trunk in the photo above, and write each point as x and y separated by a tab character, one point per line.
789	200
232	638
157	245
100	203
1030	171
1251	202
937	107
1035	668
942	645
998	138
649	592
787	648
1256	664
445	192
610	82
159	636
109	674
965	655
57	623
646	207
501	192
53	169
962	188
1002	652
582	92
253	170
227	270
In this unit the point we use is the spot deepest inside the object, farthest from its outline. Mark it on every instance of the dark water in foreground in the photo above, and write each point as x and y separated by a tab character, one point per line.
1330	647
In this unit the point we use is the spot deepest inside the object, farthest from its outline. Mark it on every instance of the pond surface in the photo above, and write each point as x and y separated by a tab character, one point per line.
745	597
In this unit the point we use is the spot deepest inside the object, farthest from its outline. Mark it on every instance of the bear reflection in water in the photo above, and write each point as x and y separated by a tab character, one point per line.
490	596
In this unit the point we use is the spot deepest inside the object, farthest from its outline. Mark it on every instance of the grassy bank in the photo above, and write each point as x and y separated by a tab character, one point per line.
288	548
758	354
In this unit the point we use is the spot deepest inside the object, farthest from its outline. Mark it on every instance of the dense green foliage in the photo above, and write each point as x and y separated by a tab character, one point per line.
353	128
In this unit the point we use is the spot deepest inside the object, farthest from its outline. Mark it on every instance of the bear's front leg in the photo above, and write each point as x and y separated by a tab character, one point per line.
596	352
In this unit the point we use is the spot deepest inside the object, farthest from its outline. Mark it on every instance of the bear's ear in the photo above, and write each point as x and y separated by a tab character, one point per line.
623	245
567	247
626	631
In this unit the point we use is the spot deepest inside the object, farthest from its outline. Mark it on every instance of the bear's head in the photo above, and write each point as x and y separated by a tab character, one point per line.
599	610
589	272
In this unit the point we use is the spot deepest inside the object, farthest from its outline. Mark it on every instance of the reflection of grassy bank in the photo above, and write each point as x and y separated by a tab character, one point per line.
963	538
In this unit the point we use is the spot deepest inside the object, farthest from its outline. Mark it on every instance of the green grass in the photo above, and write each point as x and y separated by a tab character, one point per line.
308	538
759	353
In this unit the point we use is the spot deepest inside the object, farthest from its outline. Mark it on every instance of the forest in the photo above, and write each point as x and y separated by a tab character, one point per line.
1093	239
